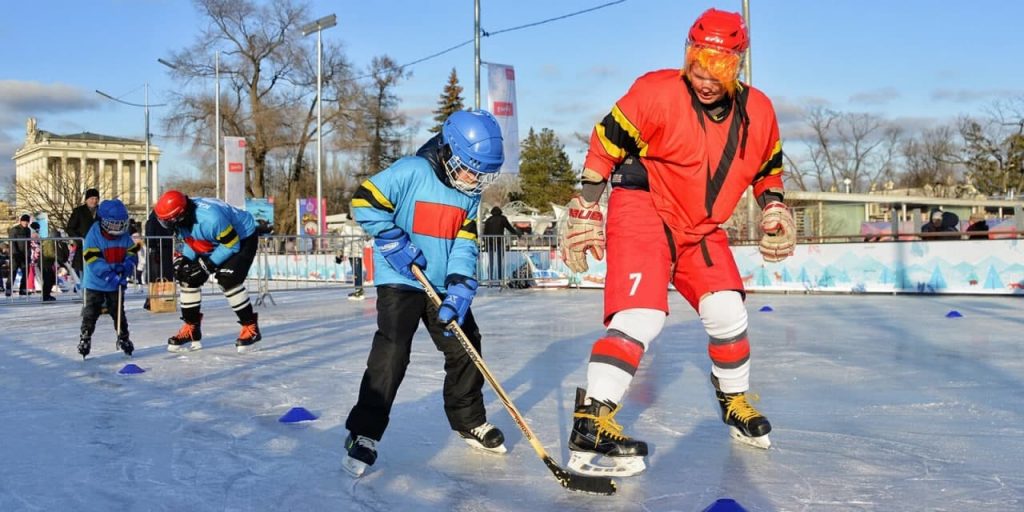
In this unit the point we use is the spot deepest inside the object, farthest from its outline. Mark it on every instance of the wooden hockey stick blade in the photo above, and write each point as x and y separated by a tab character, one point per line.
573	481
582	483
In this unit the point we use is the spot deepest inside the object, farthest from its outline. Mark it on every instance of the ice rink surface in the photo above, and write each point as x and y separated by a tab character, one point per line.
877	402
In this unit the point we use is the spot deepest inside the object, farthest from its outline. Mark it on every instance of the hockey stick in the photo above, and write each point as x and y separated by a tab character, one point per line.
569	480
120	311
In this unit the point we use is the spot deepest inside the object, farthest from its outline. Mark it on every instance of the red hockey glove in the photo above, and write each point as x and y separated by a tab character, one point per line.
584	231
779	229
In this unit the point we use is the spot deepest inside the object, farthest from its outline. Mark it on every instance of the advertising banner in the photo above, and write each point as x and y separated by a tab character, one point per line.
234	171
501	101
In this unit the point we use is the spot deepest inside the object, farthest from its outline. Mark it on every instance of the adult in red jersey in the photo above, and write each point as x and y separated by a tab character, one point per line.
679	149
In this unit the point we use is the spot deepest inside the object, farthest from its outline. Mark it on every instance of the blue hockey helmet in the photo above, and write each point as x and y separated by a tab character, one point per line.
474	140
113	217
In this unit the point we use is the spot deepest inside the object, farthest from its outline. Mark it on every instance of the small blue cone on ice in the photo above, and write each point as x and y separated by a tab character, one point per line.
953	314
766	309
130	369
725	505
297	414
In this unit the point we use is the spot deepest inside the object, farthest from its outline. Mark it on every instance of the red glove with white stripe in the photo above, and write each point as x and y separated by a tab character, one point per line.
584	232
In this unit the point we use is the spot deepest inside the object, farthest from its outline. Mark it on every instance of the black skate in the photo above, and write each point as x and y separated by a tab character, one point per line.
125	345
362	453
596	434
357	295
189	333
485	437
84	345
746	424
249	336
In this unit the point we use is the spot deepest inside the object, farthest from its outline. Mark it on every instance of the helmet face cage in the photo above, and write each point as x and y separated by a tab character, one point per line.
170	223
114	226
454	166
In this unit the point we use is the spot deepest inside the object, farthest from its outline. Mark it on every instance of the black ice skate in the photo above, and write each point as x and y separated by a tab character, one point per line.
125	345
357	295
189	333
362	453
485	437
249	336
746	424
84	345
596	434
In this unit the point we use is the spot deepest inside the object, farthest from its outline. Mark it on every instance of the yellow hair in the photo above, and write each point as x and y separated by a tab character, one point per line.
722	65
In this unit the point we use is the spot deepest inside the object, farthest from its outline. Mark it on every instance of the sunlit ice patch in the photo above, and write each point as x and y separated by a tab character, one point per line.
724	65
455	168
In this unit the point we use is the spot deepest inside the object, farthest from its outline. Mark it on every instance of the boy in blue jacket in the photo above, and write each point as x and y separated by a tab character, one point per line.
422	210
110	257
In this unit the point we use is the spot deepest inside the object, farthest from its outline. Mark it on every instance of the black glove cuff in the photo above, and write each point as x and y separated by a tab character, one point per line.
455	279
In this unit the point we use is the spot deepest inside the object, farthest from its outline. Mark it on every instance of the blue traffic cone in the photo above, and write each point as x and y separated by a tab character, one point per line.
130	369
953	314
766	309
725	505
297	414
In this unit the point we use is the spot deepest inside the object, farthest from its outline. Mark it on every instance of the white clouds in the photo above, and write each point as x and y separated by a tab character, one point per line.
880	96
22	99
973	95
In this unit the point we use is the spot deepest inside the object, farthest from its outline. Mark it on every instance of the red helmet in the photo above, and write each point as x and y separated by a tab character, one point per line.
721	30
170	207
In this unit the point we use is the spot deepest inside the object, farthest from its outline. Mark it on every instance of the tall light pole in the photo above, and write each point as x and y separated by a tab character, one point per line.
153	178
476	54
216	117
318	26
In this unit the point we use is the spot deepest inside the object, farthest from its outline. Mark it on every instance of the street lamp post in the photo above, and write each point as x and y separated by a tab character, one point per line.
318	26
216	117
153	178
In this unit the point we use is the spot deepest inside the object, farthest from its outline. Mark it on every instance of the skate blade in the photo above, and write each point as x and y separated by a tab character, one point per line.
356	299
757	442
476	444
245	349
584	464
353	467
180	349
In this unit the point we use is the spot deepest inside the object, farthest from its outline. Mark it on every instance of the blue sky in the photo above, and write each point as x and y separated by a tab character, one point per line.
917	62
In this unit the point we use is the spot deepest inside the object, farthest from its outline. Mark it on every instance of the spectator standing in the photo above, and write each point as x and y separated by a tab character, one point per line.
47	261
5	269
19	251
81	219
494	235
940	222
978	227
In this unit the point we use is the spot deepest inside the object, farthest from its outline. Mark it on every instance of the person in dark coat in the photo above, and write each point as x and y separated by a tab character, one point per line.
940	222
81	219
159	252
494	239
978	227
19	250
47	262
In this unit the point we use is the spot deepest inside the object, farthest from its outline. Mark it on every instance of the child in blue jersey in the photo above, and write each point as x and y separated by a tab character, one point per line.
422	210
219	240
110	257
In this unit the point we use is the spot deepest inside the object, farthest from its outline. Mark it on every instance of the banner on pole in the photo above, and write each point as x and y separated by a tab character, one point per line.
234	171
501	101
306	213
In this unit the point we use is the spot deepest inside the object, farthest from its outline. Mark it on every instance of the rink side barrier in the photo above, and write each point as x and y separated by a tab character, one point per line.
950	266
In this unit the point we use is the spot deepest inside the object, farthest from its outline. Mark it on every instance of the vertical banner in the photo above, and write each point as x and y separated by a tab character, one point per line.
234	171
306	213
501	101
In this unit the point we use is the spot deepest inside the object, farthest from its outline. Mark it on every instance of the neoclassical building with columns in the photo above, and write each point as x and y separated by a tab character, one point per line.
60	165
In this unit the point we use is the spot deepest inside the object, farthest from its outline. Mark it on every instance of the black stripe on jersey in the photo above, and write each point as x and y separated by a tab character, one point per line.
365	194
91	254
772	166
619	136
228	236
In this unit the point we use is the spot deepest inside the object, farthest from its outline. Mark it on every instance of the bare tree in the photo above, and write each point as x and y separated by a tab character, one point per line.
929	158
270	98
858	147
57	195
993	151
